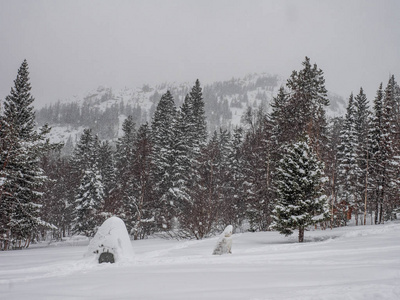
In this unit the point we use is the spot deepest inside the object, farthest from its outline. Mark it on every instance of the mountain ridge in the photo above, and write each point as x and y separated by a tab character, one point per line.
104	109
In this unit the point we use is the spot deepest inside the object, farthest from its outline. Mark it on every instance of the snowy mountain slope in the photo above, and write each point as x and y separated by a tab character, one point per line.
104	109
344	263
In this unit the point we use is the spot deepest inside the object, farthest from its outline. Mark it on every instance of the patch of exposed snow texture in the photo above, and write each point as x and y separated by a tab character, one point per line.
357	263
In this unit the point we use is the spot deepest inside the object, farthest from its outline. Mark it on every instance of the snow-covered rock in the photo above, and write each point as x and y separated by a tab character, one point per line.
111	237
224	244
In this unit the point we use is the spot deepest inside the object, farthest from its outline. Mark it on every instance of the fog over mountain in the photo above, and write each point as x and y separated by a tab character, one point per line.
76	46
104	109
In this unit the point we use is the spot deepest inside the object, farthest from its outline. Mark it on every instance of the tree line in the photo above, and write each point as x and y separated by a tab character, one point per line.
286	170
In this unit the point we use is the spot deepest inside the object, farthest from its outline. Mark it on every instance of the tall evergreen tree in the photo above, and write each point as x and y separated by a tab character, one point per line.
338	212
139	195
307	102
362	125
391	145
234	205
349	171
89	196
89	199
21	175
198	115
124	159
58	201
301	201
107	171
259	163
379	156
201	213
165	173
281	121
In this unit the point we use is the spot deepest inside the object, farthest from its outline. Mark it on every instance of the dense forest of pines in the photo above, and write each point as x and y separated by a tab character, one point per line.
286	170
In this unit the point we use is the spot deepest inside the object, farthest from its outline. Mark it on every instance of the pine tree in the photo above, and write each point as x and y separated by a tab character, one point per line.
83	155
231	179
107	171
392	151
201	213
349	171
281	121
198	115
89	195
259	163
191	135
301	202
378	156
139	197
124	159
21	174
163	155
338	212
307	103
89	199
58	201
125	145
183	153
234	205
362	125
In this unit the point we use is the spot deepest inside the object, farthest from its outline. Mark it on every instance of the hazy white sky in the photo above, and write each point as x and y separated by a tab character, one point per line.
75	46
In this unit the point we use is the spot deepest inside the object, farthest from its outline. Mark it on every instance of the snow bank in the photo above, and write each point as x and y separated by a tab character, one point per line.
111	237
224	244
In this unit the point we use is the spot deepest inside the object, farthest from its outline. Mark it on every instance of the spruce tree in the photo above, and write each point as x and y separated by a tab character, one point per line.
362	125
349	171
301	202
89	196
281	121
165	173
378	156
332	170
89	201
234	206
392	151
191	136
307	102
259	163
107	171
201	213
21	175
124	159
183	152
139	196
199	130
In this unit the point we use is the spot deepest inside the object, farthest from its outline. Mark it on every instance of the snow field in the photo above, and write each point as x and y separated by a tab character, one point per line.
345	263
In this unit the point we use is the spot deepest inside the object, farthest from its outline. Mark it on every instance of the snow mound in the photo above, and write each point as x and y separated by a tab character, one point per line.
224	244
111	237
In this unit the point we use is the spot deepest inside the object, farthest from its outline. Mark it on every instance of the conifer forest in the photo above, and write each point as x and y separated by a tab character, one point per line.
287	169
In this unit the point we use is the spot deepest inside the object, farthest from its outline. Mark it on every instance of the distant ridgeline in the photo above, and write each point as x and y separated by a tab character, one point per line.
105	109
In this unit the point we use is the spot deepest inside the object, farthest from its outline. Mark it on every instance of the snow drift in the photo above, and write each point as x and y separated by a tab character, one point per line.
111	237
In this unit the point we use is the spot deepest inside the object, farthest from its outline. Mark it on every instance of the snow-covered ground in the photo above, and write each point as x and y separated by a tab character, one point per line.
345	263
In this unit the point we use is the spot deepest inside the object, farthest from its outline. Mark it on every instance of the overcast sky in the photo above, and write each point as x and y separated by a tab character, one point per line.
75	46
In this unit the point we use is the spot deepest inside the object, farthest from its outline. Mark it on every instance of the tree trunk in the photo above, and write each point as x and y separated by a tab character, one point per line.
366	193
301	234
333	198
